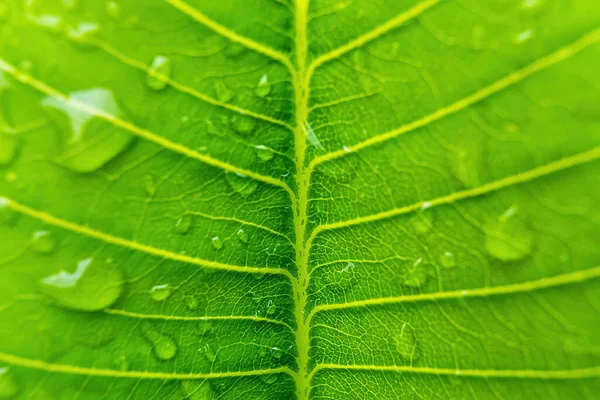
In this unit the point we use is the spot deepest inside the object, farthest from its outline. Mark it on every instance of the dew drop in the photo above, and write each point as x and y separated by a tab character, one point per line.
91	141
523	36
464	170
8	385
477	37
241	183
204	327
243	124
532	6
83	31
447	260
121	362
183	224
242	235
224	93
94	285
406	342
163	346
159	72
208	353
43	242
9	145
113	9
416	275
197	390
161	292
257	297
276	352
263	153
50	22
269	379
271	307
263	87
509	239
216	243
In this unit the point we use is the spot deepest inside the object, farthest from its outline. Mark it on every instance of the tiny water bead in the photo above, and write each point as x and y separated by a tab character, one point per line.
243	124
242	235
163	346
263	88
224	93
161	292
43	242
447	260
204	327
208	352
94	285
269	378
241	183
183	224
523	36
9	146
406	342
264	153
276	352
271	307
8	385
217	244
416	275
91	141
197	390
159	72
509	239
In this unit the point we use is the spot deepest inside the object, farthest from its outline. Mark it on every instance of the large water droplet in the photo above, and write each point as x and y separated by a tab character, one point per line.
241	183
43	242
113	9
91	141
208	352
406	342
217	243
447	260
163	346
9	146
8	385
416	275
183	224
161	292
197	390
243	124
509	239
159	72
223	92
263	87
94	285
242	236
269	379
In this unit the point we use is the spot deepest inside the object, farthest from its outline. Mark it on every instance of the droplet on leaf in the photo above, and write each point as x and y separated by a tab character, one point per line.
8	385
447	260
161	292
523	36
224	93
241	183
509	239
263	87
208	353
270	378
242	235
263	153
121	362
113	9
163	346
159	72
83	31
197	390
243	124
216	243
43	242
183	224
415	276
94	285
276	352
422	221
271	307
406	342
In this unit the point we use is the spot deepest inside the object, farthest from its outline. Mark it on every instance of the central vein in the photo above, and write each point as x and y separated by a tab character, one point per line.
301	82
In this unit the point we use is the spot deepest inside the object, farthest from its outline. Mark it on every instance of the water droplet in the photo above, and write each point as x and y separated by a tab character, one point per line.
241	183
509	239
347	149
159	72
50	22
91	141
161	292
212	129
447	260
7	215
93	286
83	31
271	307
216	242
197	390
416	275
312	137
243	124
242	236
257	297
422	221
204	327
8	385
183	224
8	148
208	353
263	87
406	342
269	379
477	37
276	352
224	93
464	169
523	36
339	281
43	242
263	153
121	362
113	9
532	6
163	346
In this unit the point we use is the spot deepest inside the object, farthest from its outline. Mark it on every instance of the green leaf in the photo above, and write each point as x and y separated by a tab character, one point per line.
278	199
